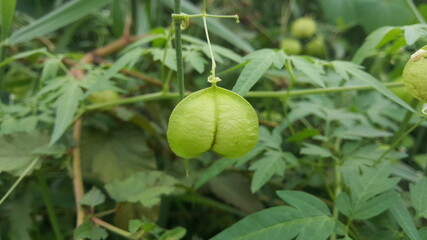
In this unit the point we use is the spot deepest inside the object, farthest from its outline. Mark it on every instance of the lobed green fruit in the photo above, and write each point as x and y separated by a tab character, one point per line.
291	46
415	75
214	119
304	27
316	47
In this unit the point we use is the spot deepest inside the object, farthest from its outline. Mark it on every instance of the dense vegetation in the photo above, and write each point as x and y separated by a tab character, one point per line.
87	88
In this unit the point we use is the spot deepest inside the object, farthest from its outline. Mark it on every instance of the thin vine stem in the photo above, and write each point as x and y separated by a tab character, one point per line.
23	174
415	11
178	50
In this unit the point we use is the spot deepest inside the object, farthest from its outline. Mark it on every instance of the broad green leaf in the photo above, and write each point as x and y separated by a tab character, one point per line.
60	17
356	71
144	187
174	234
362	131
136	225
304	202
7	10
285	222
17	150
279	59
311	149
214	170
93	198
370	44
216	27
115	155
302	135
343	203
404	219
419	197
90	231
272	163
66	108
253	71
169	60
374	206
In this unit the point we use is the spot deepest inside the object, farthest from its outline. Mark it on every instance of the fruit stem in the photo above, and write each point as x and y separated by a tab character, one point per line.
178	49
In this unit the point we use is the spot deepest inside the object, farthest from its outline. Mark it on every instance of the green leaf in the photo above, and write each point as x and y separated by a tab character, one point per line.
174	234
66	107
144	187
285	222
195	60
414	32
88	230
304	202
216	27
129	59
370	44
17	150
312	70
374	206
169	60
93	198
403	218
7	10
60	17
253	71
311	149
418	193
359	74
50	70
23	55
272	163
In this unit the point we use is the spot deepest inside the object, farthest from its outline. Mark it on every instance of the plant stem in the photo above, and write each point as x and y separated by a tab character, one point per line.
23	174
178	48
49	205
257	94
77	171
415	11
113	228
209	43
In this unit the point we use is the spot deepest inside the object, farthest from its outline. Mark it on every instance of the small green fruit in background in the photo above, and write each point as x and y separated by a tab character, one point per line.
214	119
291	46
104	96
304	27
415	75
316	47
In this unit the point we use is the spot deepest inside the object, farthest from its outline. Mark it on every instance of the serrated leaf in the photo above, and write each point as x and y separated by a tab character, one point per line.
311	149
144	187
93	198
418	193
169	60
66	14
253	71
304	202
17	150
174	234
272	163
285	222
403	218
66	107
136	225
370	44
195	60
314	71
127	60
90	231
359	74
374	206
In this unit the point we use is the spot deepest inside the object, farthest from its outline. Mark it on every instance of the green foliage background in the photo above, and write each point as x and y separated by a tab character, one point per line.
341	152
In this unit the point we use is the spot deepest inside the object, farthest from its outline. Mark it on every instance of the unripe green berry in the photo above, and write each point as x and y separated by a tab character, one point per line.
415	75
304	27
291	46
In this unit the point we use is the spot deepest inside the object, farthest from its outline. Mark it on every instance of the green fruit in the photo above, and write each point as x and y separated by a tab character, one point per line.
291	46
415	75
316	47
104	96
304	27
214	119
